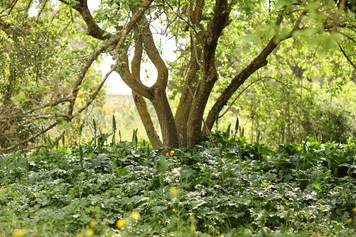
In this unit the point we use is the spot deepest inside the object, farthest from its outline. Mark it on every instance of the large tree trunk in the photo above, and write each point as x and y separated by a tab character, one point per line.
192	78
195	120
209	40
185	129
166	120
145	116
187	95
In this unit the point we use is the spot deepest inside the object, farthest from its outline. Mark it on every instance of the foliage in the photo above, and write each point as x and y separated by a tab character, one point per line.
300	94
224	186
219	45
216	46
39	55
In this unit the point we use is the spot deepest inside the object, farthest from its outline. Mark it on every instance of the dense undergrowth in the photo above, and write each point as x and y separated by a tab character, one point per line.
224	188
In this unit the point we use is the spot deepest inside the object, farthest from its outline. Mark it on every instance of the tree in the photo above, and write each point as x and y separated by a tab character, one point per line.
207	33
201	25
40	87
33	80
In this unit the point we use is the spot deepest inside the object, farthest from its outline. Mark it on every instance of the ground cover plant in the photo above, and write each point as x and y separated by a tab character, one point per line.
223	187
281	71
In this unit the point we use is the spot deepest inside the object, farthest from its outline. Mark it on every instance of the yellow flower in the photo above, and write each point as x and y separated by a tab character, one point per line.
170	153
354	209
18	233
173	191
121	223
348	221
89	232
135	215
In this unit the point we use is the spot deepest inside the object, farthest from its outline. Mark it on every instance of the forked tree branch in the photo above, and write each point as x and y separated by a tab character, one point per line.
138	99
95	93
117	40
124	70
155	57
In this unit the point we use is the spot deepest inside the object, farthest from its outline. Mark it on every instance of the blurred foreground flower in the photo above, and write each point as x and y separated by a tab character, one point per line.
92	224
135	215
170	153
18	233
354	209
193	228
89	232
121	223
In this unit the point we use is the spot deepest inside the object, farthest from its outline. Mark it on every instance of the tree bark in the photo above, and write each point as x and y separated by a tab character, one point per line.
211	36
187	91
140	102
147	121
166	120
195	120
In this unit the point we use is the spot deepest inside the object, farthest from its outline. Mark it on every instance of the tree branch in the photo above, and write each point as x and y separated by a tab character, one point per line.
15	146
155	57
258	62
124	70
95	93
347	57
117	40
93	28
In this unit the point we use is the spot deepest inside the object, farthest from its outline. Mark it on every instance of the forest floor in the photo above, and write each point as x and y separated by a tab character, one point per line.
225	187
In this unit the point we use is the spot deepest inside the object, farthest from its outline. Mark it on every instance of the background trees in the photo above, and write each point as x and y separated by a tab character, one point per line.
222	47
43	86
204	32
39	55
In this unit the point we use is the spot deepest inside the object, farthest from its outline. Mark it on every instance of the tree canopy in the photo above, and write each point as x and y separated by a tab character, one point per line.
220	47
